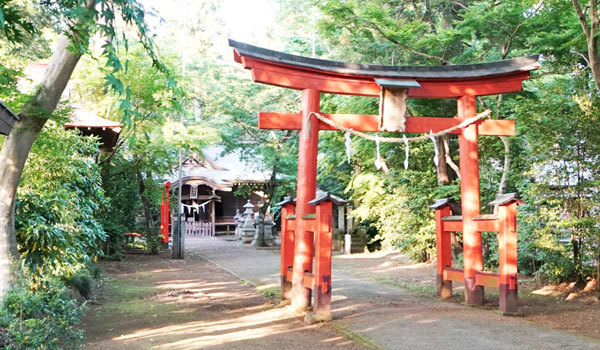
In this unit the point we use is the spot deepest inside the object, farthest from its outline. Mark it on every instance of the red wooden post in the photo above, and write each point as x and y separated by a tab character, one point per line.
444	253
162	217
507	256
469	188
322	286
165	213
306	189
287	248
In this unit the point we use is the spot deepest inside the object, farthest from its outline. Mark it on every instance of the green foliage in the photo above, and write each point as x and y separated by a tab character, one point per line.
396	205
14	25
44	319
58	203
554	162
83	282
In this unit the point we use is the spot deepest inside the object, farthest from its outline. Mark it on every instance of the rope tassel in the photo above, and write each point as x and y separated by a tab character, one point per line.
377	160
435	148
348	144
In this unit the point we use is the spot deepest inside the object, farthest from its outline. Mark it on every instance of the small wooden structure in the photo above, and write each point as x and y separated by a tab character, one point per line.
209	194
89	123
505	223
320	224
7	119
316	76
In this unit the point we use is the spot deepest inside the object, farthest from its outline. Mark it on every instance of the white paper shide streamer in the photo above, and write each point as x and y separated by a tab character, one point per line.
435	148
377	160
406	152
196	207
348	144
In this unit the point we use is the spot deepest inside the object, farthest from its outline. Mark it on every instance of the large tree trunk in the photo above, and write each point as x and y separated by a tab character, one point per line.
442	166
506	168
590	30
145	203
16	148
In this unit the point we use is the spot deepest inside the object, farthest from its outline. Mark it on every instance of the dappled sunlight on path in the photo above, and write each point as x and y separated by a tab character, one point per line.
193	306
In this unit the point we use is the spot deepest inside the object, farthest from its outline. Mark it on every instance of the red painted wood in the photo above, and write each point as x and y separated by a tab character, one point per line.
306	190
162	218
361	122
165	212
323	245
303	78
487	225
287	238
470	202
442	240
291	225
507	244
452	274
452	226
486	279
310	225
309	280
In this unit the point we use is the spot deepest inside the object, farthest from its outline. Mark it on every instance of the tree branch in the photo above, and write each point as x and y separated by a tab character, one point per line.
388	37
582	19
449	160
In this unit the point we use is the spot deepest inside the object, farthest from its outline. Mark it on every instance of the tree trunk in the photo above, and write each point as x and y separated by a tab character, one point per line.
16	148
506	168
442	167
271	189
145	203
590	30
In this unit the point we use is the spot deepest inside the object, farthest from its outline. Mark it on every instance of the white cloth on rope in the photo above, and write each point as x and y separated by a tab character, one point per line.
435	148
377	160
194	206
348	144
406	152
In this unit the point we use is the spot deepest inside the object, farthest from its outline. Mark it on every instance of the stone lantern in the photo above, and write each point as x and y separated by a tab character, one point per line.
248	227
239	221
268	230
259	239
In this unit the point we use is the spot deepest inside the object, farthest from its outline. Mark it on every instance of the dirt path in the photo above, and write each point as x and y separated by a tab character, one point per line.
370	300
155	302
380	301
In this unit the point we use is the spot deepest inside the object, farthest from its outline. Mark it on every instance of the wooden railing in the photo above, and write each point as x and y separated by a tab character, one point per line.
198	228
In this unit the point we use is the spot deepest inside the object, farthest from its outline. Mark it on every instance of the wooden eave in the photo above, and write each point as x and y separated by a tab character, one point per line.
449	81
7	119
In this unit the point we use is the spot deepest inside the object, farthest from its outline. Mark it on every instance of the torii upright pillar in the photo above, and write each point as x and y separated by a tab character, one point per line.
306	190
469	191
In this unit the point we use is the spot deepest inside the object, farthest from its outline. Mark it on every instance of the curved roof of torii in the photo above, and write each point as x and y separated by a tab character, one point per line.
453	72
299	72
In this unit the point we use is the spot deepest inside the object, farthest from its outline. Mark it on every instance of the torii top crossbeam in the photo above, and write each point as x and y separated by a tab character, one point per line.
298	72
450	81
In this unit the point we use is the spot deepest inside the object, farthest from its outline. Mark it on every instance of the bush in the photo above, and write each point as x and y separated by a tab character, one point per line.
45	319
83	282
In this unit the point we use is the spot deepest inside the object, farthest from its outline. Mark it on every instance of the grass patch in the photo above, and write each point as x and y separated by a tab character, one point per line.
354	337
126	289
271	293
414	287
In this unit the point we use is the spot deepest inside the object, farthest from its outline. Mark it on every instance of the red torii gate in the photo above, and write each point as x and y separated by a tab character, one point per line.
463	82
